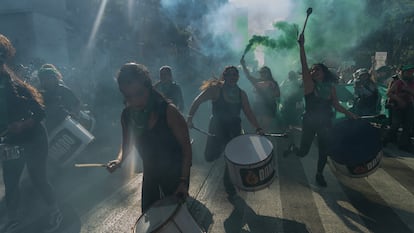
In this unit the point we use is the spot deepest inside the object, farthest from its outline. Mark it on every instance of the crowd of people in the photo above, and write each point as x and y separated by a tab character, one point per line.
153	115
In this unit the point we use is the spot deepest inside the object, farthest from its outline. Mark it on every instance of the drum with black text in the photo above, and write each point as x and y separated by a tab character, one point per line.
356	148
249	158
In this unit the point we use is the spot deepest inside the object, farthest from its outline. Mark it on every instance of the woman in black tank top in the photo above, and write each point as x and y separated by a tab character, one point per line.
320	99
228	100
149	121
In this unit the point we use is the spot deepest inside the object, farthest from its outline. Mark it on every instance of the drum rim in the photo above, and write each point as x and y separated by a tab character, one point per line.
270	156
342	167
249	134
164	223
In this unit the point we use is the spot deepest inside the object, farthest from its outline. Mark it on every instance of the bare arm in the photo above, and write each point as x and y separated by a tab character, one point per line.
308	83
248	111
339	107
246	71
124	151
208	94
180	130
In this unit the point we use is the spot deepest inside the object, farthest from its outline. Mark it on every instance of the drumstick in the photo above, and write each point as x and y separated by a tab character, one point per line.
203	132
90	165
282	135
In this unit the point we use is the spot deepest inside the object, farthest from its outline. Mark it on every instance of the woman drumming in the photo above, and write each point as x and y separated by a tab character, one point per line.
320	98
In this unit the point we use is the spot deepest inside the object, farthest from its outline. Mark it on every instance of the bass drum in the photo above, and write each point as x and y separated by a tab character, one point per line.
356	148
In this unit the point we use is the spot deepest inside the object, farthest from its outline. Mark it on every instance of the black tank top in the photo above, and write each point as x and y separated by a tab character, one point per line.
158	147
318	105
222	109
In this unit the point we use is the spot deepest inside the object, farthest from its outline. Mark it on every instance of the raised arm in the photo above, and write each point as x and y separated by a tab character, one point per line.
246	71
308	83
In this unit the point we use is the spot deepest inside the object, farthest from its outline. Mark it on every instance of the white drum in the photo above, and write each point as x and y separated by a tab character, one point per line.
67	140
167	216
249	158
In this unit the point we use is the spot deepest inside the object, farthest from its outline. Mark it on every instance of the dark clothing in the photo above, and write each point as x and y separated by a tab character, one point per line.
22	105
171	91
367	99
265	103
401	117
34	156
161	155
59	103
225	124
317	120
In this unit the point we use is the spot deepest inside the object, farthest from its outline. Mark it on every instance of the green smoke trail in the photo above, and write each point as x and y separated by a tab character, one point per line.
285	41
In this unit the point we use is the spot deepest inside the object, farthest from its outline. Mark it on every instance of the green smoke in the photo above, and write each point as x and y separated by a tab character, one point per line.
286	40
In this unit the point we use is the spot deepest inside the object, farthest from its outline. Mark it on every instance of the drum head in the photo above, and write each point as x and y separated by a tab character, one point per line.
248	149
354	142
156	216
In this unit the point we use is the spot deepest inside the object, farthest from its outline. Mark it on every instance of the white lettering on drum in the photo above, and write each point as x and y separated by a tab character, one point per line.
265	172
62	145
373	163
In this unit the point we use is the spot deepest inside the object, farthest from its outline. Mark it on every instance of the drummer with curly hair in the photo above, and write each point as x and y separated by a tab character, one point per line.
227	99
160	134
320	99
22	133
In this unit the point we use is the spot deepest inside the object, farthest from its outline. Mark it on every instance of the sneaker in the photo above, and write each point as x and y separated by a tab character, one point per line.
55	219
11	227
320	180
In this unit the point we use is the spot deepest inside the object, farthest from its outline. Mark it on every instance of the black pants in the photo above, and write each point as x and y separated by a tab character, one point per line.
35	158
224	131
401	118
156	185
312	125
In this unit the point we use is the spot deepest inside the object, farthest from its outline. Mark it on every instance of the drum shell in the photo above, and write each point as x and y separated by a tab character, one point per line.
180	221
68	140
358	171
252	177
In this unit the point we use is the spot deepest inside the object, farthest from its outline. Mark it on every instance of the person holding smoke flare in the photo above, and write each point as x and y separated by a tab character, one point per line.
22	131
267	91
227	101
149	120
320	98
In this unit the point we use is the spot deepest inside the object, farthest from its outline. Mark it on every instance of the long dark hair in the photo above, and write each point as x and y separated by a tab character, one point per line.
228	70
131	72
329	76
12	79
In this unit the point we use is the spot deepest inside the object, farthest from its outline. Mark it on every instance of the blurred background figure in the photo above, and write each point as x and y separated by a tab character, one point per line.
170	89
267	93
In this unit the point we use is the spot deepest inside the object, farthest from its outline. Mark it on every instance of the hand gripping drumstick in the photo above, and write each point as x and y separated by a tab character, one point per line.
91	165
308	12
